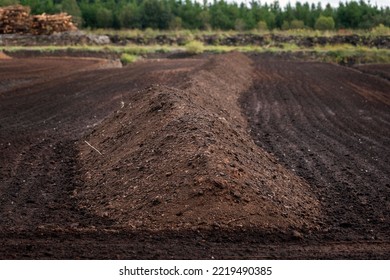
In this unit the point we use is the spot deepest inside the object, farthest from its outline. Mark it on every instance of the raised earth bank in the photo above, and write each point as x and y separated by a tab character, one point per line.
83	38
181	158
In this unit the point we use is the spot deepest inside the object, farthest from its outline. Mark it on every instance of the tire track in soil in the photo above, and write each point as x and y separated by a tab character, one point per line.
35	199
40	124
179	245
312	118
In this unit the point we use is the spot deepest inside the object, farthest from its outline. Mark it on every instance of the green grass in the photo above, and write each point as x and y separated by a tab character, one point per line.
191	34
342	54
381	30
128	58
195	47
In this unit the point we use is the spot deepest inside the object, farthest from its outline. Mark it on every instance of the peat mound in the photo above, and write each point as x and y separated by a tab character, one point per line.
181	157
4	56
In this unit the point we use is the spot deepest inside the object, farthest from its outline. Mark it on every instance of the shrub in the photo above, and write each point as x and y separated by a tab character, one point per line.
262	25
239	24
324	23
285	25
194	47
175	23
128	58
297	24
381	30
150	33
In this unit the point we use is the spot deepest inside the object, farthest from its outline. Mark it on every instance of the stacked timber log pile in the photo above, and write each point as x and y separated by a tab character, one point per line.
49	24
15	19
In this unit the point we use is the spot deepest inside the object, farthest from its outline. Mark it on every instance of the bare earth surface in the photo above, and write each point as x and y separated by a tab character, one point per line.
219	157
330	125
381	70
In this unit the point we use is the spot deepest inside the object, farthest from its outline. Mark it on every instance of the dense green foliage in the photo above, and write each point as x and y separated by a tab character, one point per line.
324	23
175	14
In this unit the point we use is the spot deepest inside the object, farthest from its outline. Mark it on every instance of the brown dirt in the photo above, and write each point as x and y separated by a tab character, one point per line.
381	70
21	73
180	158
3	56
330	125
179	175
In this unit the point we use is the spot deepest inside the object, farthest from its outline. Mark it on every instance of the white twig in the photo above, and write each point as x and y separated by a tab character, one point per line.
93	148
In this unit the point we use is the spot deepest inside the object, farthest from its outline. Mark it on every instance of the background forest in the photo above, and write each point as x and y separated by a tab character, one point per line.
187	14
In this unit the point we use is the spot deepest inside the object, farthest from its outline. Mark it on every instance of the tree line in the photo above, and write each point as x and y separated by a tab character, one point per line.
218	14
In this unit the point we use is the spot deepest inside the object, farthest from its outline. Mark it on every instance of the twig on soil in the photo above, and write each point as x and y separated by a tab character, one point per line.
122	102
93	148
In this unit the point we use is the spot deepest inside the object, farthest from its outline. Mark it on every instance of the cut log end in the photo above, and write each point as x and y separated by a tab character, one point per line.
17	19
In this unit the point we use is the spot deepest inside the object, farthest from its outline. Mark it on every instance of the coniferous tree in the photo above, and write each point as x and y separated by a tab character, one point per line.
219	14
72	8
